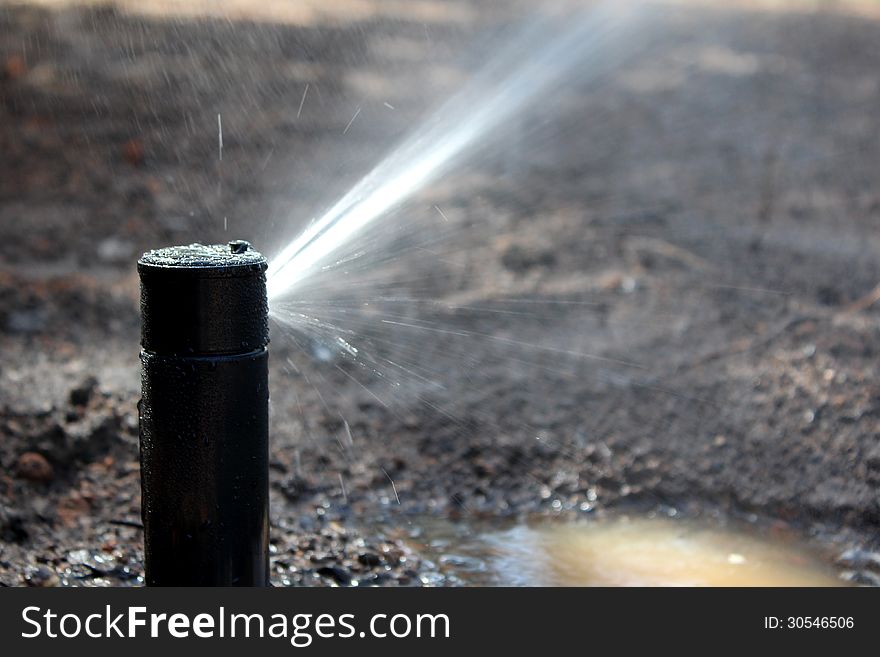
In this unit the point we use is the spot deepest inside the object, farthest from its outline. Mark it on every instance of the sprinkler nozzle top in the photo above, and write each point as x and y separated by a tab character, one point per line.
204	299
232	259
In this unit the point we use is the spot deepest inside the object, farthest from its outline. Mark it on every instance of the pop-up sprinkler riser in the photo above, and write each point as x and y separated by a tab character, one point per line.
204	416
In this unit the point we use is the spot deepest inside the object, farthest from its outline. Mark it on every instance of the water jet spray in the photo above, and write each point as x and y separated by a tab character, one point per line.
591	42
204	415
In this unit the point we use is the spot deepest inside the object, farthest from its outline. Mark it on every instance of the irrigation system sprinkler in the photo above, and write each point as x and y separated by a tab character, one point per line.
204	416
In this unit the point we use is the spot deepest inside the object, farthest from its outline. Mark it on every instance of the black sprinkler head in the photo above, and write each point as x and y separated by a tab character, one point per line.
204	435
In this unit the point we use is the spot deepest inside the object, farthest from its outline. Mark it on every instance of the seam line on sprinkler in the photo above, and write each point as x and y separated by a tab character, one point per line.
204	271
220	355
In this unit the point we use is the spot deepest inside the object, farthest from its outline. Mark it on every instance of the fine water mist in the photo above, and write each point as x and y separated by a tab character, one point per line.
540	57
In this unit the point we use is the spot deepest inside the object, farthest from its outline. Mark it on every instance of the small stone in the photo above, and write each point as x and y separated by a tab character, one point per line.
26	321
461	562
82	393
861	578
872	458
12	526
859	558
78	556
133	151
34	467
338	574
40	576
14	67
369	559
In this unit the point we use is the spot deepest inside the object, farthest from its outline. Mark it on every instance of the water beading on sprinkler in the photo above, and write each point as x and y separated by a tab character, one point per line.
204	415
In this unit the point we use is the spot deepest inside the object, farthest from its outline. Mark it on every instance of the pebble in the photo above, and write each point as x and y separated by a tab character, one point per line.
13	528
337	573
26	321
81	394
40	576
862	578
34	467
133	151
859	558
461	562
370	559
14	67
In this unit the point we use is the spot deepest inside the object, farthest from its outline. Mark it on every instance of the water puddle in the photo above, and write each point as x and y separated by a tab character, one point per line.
622	552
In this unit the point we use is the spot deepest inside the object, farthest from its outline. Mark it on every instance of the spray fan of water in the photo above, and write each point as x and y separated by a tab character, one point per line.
380	286
520	74
366	286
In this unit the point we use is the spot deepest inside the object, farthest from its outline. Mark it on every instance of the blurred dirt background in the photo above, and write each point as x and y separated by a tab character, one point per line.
711	212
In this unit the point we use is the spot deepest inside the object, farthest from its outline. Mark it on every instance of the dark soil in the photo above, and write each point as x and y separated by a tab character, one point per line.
704	225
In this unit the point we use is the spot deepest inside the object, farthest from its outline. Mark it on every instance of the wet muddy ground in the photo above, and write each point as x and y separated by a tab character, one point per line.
668	303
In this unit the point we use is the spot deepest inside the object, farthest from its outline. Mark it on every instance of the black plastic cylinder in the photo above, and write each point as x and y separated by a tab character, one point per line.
204	434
